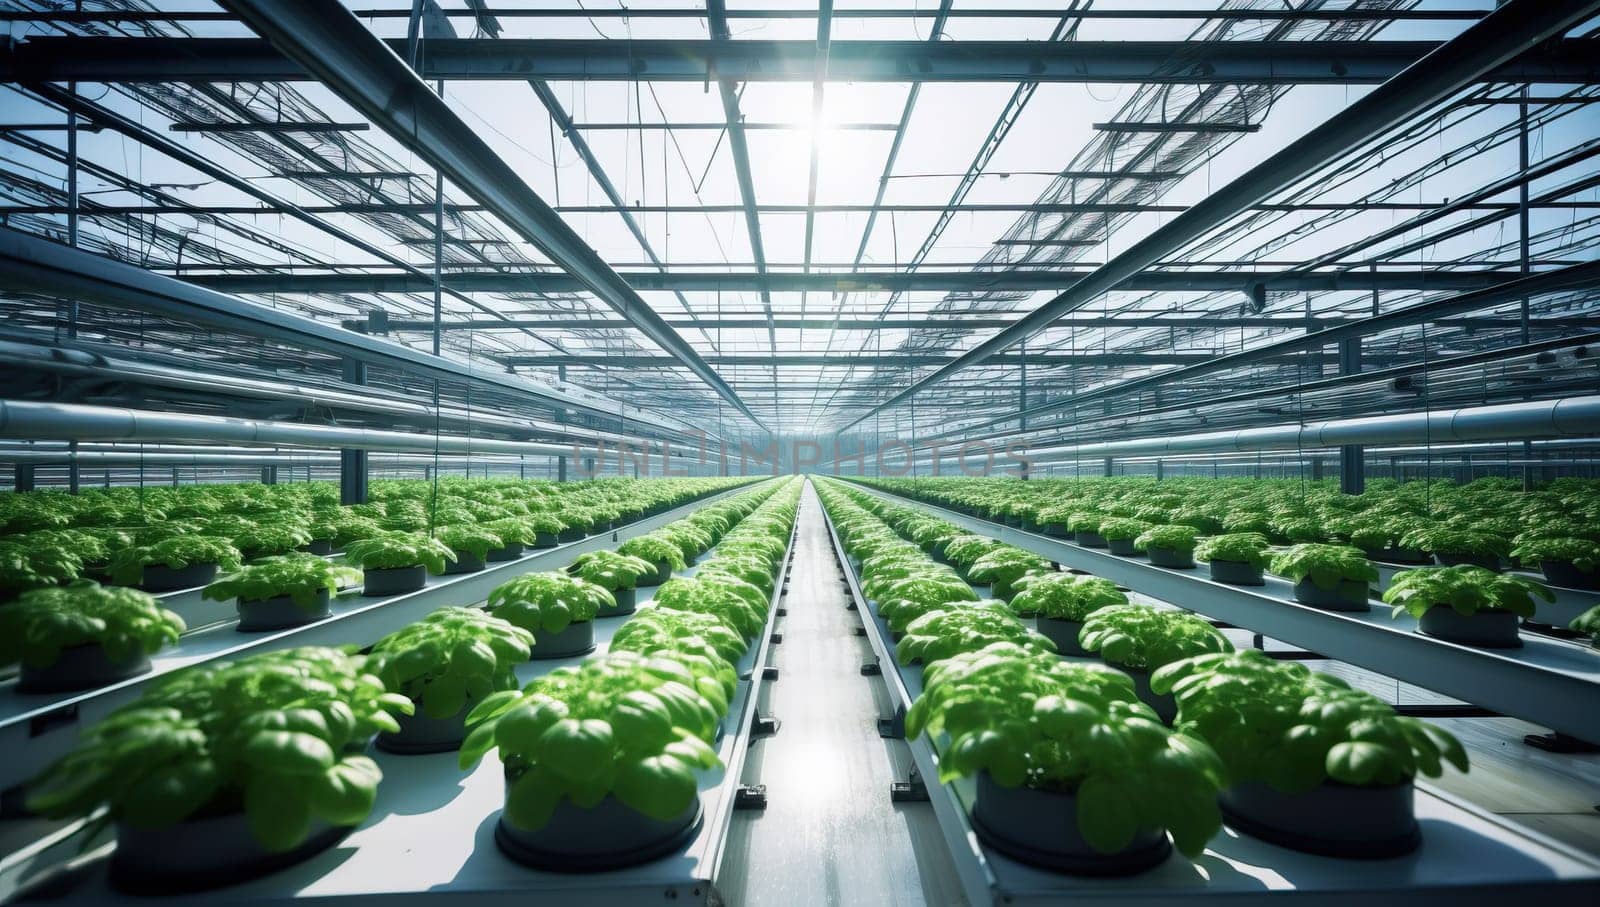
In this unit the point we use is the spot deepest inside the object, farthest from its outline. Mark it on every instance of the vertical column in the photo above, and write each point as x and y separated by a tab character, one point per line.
73	476
1108	470
22	476
352	462
269	475
1352	457
561	462
1316	468
1525	259
1161	470
1022	396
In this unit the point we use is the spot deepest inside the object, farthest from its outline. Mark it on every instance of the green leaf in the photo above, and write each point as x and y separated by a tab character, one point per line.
519	730
577	749
169	794
288	752
344	794
278	814
1359	762
661	787
1104	817
531	799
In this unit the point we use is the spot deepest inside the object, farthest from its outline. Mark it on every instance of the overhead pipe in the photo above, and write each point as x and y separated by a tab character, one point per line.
1562	418
74	422
33	264
93	364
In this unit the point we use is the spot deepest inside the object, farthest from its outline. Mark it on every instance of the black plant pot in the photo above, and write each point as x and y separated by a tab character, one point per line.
279	613
1002	590
546	540
608	836
1041	828
1349	595
465	562
1089	539
80	668
1057	531
1490	628
393	580
662	574
1237	573
627	603
1398	555
1064	633
161	578
1165	705
1122	547
936	551
576	639
510	552
571	534
1333	819
419	734
211	851
1563	573
322	547
1175	558
1486	561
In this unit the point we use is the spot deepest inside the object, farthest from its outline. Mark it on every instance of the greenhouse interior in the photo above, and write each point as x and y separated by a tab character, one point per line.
800	452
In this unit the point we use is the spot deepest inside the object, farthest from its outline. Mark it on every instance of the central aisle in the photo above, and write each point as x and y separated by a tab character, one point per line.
830	834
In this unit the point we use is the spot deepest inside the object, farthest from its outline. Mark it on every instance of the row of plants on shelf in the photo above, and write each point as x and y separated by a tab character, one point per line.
1280	752
1489	522
224	771
1463	601
162	539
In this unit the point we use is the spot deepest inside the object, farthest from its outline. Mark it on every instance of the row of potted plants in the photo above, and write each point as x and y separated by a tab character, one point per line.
165	539
225	771
1489	522
1283	754
1464	603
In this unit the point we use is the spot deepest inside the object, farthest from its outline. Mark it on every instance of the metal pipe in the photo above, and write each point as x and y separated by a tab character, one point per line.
67	422
1562	418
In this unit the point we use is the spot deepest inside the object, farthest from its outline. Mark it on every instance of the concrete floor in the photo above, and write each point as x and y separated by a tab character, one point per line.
830	834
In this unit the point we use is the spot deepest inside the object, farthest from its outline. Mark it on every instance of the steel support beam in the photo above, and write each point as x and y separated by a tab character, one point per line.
560	321
830	360
121	59
358	67
739	150
1206	281
1490	44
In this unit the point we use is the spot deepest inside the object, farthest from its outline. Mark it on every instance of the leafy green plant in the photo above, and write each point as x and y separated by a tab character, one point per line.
705	595
622	724
547	602
966	549
265	540
398	550
1588	623
1583	554
477	541
24	567
1325	565
942	633
1065	596
1033	720
272	734
1235	547
124	622
611	570
1144	638
1278	723
1006	565
655	550
1466	589
1085	521
1117	528
127	566
1448	542
450	658
660	630
302	577
1172	537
